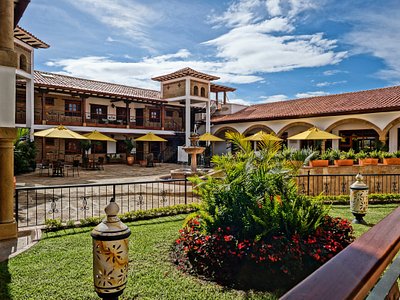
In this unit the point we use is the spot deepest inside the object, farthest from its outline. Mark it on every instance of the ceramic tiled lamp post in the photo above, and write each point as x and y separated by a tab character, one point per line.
359	200
110	254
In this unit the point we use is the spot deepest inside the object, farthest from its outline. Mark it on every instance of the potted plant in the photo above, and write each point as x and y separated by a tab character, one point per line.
367	159
130	146
296	158
389	158
322	160
345	158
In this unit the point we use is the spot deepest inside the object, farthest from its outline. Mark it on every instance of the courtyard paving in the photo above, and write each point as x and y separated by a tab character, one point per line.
112	173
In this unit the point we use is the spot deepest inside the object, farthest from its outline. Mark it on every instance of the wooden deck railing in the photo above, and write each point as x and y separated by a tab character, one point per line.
355	271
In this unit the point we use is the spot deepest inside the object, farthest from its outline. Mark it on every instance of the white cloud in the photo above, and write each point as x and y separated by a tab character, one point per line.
127	17
333	72
273	7
240	101
311	94
261	43
378	33
329	83
274	98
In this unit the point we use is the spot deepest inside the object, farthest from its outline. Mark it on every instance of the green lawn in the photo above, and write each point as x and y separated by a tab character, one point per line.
60	266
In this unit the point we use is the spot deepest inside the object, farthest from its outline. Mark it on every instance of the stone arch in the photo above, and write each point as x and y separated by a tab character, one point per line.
221	131
202	92
23	63
389	126
258	127
294	124
353	120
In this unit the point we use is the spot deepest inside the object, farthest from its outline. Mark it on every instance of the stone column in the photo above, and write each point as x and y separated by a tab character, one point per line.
8	63
187	113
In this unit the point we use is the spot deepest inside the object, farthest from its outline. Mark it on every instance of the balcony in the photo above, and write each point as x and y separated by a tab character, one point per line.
54	117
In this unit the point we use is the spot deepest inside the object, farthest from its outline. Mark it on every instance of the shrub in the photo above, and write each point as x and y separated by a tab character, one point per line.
53	224
276	261
24	152
253	229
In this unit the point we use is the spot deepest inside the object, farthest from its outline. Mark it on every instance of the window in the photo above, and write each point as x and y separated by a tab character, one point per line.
121	146
196	90
49	101
169	113
154	115
98	111
23	63
72	108
202	92
72	147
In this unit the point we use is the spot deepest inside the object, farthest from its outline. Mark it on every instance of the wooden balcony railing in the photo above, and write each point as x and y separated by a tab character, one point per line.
354	272
54	117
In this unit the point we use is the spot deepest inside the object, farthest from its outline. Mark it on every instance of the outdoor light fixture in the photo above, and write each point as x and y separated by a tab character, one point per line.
110	254
359	200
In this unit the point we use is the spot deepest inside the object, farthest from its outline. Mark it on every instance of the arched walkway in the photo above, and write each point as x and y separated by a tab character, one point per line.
389	126
294	124
256	128
368	124
221	131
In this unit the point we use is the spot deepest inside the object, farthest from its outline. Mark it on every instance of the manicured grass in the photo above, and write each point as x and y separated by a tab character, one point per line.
60	266
374	214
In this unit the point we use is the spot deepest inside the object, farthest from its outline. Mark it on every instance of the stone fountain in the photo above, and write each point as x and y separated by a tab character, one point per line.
193	150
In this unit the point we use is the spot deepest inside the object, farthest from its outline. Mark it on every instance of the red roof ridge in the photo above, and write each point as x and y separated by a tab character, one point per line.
328	95
97	81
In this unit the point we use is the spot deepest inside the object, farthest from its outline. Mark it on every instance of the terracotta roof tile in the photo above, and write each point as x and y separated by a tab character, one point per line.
383	99
44	79
185	72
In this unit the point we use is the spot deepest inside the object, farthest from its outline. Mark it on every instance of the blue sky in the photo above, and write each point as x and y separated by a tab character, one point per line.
269	50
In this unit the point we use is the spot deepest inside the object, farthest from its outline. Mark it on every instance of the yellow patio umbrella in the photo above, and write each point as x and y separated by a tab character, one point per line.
98	136
150	137
262	136
315	134
208	137
59	132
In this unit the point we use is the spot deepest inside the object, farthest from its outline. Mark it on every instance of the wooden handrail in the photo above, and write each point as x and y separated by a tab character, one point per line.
353	272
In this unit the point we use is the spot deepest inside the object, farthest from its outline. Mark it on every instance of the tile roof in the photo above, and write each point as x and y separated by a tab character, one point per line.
28	38
378	100
185	72
92	87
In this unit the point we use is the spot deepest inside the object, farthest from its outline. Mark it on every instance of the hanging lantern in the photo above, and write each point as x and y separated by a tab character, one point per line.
110	254
359	200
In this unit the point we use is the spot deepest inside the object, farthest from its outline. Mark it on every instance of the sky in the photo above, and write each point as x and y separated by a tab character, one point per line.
269	50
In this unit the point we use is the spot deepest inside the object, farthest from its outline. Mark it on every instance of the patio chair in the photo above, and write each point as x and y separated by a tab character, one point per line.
100	163
150	160
74	167
45	165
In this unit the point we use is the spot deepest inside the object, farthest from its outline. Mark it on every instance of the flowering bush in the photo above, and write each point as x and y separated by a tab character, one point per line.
253	229
275	262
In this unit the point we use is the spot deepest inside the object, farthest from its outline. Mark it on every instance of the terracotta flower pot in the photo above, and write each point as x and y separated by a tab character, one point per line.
368	161
319	163
130	160
343	162
391	161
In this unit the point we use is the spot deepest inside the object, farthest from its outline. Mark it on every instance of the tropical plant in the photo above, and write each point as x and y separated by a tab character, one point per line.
374	154
129	144
387	154
254	215
396	154
335	154
350	154
24	152
361	155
